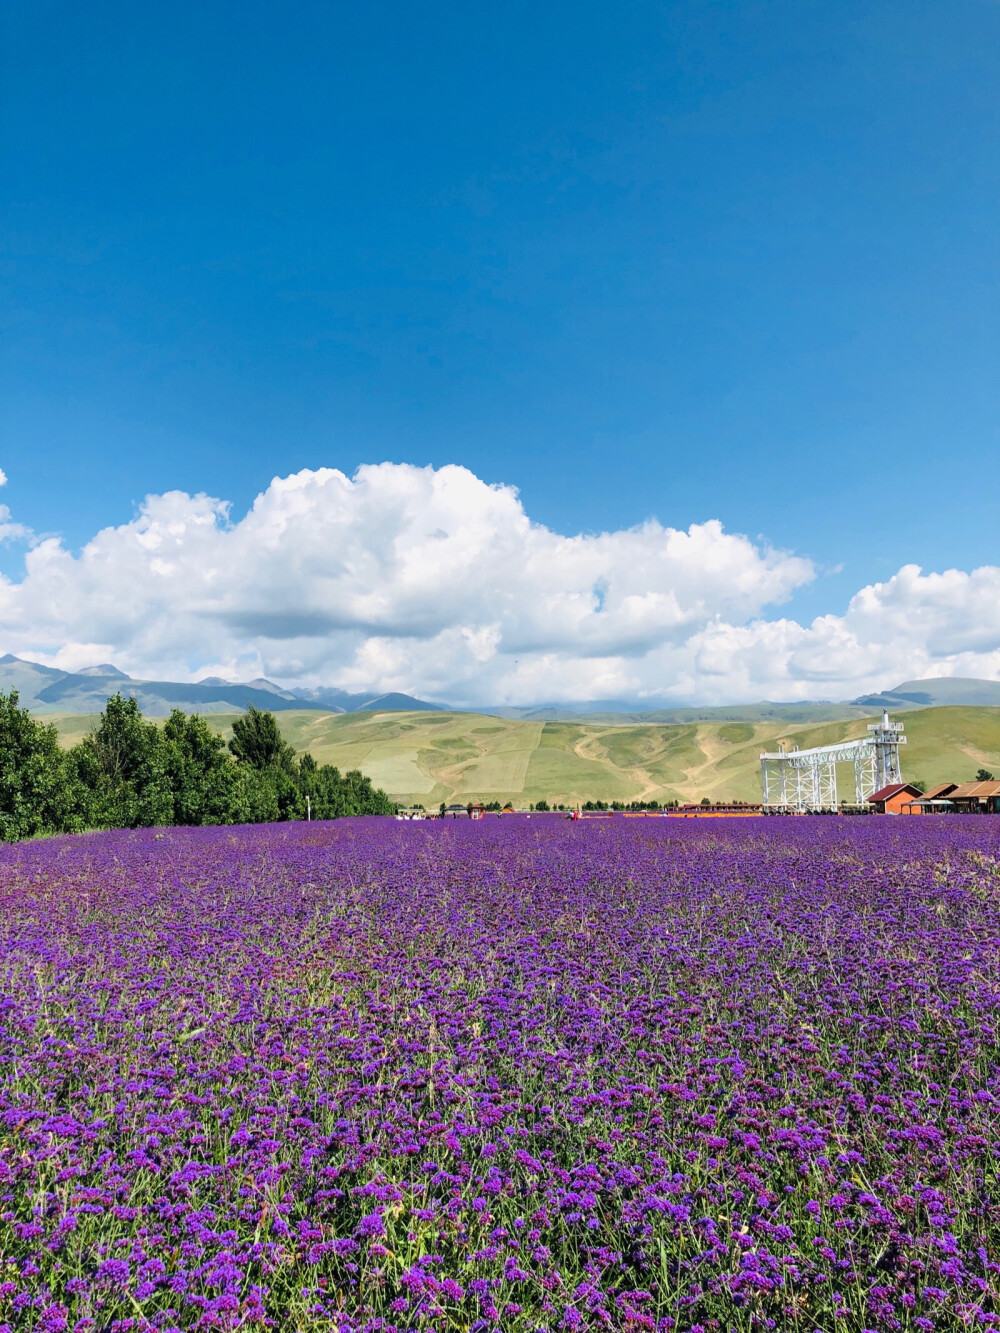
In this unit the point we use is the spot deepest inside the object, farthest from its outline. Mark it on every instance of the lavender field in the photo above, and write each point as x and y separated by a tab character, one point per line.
522	1075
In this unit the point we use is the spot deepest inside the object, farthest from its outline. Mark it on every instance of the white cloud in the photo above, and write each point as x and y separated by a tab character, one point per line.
9	530
433	582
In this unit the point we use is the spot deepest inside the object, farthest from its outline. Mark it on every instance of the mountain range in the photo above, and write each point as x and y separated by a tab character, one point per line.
48	690
957	691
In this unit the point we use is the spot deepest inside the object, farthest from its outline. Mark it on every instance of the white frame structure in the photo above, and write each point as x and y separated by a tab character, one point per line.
807	779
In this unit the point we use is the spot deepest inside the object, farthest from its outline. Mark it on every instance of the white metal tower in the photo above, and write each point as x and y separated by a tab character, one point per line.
807	779
888	737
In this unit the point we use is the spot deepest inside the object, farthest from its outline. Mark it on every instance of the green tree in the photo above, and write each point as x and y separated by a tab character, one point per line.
123	765
128	773
332	795
541	805
195	765
364	799
322	784
37	794
257	741
984	775
247	796
291	804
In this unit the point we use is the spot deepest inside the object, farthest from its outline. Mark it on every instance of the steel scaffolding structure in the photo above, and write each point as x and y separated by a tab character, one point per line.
887	737
807	779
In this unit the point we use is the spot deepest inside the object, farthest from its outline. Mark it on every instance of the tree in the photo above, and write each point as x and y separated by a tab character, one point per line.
247	796
364	799
542	805
123	765
291	803
258	742
333	795
128	773
195	766
984	775
37	795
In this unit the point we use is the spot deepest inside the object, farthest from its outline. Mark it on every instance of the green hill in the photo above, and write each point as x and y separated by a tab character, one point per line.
432	757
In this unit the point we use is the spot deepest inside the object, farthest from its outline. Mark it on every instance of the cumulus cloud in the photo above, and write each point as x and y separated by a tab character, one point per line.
431	581
9	530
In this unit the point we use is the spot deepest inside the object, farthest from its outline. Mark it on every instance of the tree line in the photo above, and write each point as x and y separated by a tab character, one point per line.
131	773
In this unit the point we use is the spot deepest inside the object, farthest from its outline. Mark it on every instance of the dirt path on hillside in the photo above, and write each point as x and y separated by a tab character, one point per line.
584	748
700	779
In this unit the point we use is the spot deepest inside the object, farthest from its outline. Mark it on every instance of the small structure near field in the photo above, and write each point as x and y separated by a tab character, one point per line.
933	802
891	800
942	792
926	807
972	798
716	810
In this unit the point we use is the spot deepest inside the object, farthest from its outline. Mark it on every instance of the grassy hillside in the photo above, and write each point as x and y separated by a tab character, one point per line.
950	744
432	757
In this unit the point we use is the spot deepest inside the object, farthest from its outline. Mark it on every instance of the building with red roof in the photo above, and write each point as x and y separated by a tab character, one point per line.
890	800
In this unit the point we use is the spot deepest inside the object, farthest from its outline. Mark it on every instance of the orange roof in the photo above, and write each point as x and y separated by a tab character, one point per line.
942	789
975	790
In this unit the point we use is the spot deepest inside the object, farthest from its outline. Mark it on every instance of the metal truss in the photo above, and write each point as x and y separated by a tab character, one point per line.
887	737
807	779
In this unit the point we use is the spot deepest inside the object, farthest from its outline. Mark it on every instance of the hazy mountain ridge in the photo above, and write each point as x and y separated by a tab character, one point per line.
936	692
762	712
48	690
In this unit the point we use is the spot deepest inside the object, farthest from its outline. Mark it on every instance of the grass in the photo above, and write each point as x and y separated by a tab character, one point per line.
433	757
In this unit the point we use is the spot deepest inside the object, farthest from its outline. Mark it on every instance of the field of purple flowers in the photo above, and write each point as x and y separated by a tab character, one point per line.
520	1075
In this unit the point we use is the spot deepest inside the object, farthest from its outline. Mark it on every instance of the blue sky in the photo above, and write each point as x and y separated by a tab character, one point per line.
693	261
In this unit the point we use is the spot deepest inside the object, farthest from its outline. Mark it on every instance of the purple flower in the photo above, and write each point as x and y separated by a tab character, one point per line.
113	1272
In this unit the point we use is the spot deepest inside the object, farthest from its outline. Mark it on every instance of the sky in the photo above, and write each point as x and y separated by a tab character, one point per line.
503	353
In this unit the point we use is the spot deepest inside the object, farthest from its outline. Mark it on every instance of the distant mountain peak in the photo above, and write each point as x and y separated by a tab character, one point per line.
936	691
262	683
395	702
47	690
102	669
